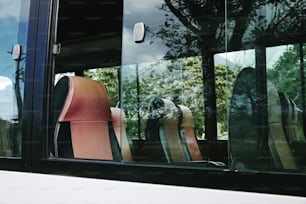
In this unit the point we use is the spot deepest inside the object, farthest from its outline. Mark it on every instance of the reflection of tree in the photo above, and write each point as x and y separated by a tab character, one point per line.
177	80
109	77
197	27
202	34
4	145
205	22
285	74
224	85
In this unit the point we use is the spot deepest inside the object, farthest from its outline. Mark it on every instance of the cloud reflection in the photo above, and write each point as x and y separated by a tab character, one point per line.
133	53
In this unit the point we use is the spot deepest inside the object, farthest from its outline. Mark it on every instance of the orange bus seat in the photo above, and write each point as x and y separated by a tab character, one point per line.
119	125
83	124
187	133
165	134
278	142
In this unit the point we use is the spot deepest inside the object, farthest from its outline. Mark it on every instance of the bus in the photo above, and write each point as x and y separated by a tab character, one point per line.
205	97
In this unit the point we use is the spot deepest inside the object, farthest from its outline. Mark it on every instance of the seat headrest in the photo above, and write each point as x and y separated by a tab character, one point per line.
118	117
171	114
187	120
87	100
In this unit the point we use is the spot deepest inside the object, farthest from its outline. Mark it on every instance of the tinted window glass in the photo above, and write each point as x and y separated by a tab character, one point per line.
173	69
238	66
13	35
265	114
88	38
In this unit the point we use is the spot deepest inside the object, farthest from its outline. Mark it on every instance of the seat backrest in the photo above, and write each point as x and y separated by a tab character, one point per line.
245	150
83	116
290	116
163	131
171	141
187	133
155	149
119	125
279	131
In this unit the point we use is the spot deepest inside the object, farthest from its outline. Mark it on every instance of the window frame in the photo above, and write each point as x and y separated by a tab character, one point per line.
23	162
35	133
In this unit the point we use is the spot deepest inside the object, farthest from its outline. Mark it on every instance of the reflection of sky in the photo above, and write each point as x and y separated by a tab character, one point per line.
273	54
4	82
153	17
9	18
135	53
9	27
8	37
246	58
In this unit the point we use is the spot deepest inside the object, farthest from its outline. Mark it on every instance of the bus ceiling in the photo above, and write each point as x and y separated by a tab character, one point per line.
92	52
89	33
82	19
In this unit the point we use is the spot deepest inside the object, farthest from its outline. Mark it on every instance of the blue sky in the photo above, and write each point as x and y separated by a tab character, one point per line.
9	17
9	22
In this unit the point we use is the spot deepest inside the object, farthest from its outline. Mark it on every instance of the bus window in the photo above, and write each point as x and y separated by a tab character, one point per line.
265	114
167	71
13	36
226	64
205	85
87	58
